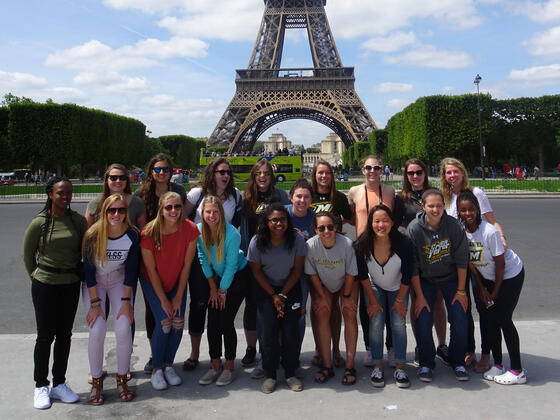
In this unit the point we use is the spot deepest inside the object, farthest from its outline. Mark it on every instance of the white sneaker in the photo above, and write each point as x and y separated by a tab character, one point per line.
41	399
158	381
257	373
368	361
510	378
225	378
63	393
491	373
171	376
209	376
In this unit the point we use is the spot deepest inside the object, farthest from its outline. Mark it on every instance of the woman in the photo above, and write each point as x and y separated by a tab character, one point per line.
454	179
499	276
361	199
258	194
276	255
111	252
440	264
168	247
156	183
51	255
327	198
226	271
387	258
331	264
408	204
217	181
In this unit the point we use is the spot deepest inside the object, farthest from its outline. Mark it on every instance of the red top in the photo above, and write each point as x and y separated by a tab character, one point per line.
169	260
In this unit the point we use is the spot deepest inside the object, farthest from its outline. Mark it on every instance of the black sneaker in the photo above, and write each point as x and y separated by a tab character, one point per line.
401	378
461	373
249	358
416	357
377	378
148	366
442	353
425	374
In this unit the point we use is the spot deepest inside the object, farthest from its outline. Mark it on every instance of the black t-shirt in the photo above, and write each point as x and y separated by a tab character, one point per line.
340	207
406	210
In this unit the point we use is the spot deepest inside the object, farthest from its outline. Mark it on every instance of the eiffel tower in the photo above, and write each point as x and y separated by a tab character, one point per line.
267	94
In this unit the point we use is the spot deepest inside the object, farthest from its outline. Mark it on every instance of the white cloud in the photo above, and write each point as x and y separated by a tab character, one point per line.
398	103
430	56
14	80
67	94
112	82
146	6
545	43
448	90
391	43
392	87
540	12
538	75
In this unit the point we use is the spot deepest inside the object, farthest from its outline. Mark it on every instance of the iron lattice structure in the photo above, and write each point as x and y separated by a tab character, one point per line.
267	94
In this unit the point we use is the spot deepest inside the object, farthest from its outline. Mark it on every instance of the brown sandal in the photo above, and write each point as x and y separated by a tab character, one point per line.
122	387
96	395
103	375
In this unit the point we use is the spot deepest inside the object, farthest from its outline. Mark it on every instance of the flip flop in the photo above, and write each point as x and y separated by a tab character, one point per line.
190	364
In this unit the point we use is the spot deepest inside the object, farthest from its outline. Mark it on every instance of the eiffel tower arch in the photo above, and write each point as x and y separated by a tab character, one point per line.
267	94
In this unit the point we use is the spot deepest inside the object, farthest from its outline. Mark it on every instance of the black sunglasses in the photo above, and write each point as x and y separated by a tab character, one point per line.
170	207
417	173
372	168
224	172
158	169
115	210
322	228
277	220
117	177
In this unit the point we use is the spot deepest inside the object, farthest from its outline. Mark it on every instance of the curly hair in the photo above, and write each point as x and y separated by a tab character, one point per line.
208	182
147	190
263	231
365	242
468	195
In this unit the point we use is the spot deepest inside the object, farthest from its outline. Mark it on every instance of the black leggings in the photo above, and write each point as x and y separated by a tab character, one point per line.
200	293
55	310
498	319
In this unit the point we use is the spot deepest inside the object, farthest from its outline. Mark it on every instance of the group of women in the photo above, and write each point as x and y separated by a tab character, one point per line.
272	250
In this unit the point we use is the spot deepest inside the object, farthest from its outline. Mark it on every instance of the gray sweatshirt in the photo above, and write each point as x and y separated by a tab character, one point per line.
438	254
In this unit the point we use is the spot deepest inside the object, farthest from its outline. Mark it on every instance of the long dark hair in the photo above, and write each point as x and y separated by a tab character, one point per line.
365	241
106	192
263	232
468	195
47	211
208	183
148	187
251	193
332	190
406	187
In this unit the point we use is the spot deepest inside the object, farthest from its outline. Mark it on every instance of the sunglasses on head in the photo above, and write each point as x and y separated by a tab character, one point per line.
277	220
322	228
417	173
224	172
115	210
262	173
117	177
170	207
158	169
372	168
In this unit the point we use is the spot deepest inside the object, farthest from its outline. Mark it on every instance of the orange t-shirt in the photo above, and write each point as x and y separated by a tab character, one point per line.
370	199
169	260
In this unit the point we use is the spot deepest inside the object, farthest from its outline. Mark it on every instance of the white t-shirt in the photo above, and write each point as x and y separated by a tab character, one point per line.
486	243
229	205
480	195
388	276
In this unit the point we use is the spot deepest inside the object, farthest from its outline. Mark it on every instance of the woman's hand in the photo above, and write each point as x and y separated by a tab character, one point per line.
126	310
94	313
463	299
486	297
213	300
373	308
400	308
167	307
176	306
420	304
222	294
279	304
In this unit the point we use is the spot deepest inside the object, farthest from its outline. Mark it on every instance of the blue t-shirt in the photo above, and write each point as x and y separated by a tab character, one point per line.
302	224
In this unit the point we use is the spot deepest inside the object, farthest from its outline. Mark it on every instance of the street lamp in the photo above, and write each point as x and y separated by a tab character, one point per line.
477	80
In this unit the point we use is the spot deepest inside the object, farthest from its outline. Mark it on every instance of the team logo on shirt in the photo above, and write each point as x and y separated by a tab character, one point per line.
330	264
261	207
116	254
476	251
324	206
437	250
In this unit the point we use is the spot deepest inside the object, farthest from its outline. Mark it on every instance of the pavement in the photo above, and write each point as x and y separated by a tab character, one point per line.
445	397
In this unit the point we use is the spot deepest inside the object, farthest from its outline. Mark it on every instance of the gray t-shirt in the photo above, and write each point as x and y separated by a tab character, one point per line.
331	264
277	262
135	209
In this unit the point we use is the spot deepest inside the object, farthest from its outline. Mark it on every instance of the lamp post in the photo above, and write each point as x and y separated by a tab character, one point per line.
477	80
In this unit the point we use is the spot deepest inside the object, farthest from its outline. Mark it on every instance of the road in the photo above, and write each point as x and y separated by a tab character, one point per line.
531	227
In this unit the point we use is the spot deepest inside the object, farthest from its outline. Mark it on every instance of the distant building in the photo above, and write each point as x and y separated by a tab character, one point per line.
331	151
276	142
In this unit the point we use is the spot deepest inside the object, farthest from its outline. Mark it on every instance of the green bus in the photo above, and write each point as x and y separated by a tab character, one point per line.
286	168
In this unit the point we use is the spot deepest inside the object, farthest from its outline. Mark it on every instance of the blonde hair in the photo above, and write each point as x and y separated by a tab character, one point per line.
221	230
445	187
94	245
154	229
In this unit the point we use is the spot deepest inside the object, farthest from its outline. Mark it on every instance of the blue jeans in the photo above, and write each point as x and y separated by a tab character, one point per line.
457	317
398	326
165	341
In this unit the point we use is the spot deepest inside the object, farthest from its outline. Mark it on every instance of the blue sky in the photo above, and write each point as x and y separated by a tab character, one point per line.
171	63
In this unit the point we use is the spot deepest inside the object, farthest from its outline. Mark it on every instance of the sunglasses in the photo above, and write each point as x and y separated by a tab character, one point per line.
224	172
322	228
158	169
170	207
262	173
417	173
372	168
117	177
115	210
277	220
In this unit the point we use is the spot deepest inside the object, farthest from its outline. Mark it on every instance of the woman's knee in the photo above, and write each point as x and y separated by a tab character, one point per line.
178	323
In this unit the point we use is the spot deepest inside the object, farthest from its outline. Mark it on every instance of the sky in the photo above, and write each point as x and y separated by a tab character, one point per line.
171	63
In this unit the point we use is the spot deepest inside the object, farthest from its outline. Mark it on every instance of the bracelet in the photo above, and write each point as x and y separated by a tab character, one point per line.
222	293
347	296
125	299
461	292
282	295
399	300
95	300
95	306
